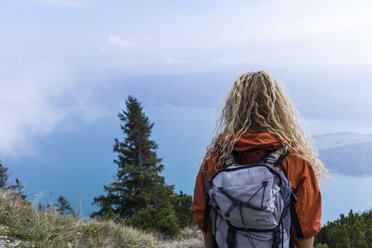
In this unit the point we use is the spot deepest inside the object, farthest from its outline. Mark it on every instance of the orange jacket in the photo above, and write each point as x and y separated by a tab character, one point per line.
298	172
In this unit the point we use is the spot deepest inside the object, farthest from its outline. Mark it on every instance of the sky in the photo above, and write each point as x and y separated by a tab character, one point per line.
66	67
64	60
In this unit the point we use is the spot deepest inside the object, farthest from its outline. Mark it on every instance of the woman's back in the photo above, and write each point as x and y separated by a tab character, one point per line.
257	118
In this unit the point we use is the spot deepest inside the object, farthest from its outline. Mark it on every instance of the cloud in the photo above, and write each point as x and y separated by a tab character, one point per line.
286	33
178	61
27	110
116	41
37	99
327	29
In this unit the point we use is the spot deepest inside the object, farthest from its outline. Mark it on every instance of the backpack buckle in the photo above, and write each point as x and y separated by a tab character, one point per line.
229	161
271	159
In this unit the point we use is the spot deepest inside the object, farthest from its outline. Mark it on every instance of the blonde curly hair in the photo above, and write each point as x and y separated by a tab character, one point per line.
257	103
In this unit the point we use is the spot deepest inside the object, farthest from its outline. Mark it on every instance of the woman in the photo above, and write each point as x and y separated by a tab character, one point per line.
258	115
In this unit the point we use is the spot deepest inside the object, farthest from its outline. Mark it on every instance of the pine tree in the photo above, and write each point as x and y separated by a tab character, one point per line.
63	206
137	183
3	176
15	188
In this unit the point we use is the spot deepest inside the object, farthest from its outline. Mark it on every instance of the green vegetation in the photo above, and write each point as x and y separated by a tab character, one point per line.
169	220
182	206
162	220
354	230
139	196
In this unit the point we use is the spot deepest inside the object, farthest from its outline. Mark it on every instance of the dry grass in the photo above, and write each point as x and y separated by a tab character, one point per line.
188	238
19	220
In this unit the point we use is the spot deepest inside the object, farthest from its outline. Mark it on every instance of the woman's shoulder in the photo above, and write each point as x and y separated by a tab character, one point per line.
294	158
296	168
208	164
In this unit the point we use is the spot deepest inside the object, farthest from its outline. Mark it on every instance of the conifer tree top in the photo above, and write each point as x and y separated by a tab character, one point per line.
137	182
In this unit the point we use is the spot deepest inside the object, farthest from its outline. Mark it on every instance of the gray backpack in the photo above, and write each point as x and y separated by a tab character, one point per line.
251	205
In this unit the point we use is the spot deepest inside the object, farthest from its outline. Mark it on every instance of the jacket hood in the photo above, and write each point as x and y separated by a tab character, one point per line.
262	141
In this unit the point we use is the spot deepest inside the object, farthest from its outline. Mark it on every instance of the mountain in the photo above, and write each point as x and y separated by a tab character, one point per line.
346	153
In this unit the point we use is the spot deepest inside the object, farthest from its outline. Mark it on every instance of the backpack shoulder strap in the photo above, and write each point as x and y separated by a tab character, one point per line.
207	211
274	158
294	217
232	159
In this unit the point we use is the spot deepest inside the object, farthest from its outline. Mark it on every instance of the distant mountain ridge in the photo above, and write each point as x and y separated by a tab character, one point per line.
346	152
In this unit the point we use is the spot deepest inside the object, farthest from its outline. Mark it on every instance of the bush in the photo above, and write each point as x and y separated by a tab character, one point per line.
320	245
163	220
182	204
169	219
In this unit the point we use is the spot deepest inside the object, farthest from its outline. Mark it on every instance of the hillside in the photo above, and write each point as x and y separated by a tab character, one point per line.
23	226
352	230
334	140
346	153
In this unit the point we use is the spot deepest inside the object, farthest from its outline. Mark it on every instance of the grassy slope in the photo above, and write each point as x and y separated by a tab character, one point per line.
19	220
